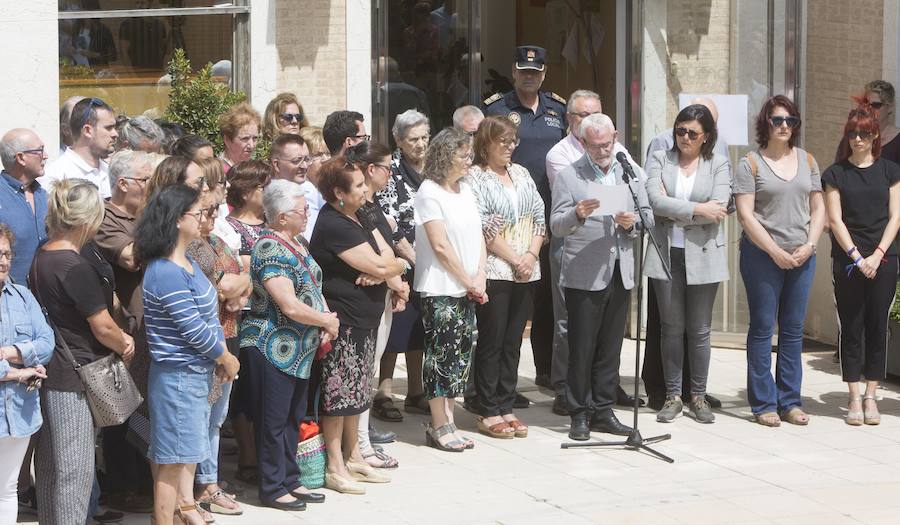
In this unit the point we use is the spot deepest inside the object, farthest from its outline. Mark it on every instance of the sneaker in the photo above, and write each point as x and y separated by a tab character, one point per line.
670	410
700	409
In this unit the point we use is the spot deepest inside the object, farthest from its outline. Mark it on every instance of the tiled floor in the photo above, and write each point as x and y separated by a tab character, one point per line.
733	471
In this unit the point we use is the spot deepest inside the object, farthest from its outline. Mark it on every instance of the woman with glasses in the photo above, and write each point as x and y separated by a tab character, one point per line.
284	114
512	222
411	133
862	197
239	127
374	160
187	345
778	194
76	298
689	187
223	268
450	277
348	247
26	345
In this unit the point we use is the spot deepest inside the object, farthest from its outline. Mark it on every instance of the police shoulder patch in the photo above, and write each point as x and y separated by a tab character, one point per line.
556	97
493	98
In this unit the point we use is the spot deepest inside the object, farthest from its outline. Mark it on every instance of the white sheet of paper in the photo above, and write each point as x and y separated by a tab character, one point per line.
613	199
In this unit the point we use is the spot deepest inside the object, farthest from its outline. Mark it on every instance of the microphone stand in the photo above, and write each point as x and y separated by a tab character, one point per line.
635	441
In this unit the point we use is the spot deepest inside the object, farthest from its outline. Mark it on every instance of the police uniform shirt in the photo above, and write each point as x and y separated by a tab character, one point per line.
538	131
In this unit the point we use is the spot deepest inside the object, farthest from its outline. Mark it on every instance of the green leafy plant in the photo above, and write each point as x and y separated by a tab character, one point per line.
197	100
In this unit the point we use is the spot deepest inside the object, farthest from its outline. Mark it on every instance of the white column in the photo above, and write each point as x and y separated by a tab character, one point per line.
30	91
359	58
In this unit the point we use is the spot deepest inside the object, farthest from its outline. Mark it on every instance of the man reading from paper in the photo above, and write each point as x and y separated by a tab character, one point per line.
597	273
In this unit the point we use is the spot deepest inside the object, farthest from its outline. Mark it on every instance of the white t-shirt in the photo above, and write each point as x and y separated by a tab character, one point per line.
459	213
71	166
683	188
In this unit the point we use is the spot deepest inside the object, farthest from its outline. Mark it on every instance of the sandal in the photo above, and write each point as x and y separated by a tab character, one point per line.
855	418
795	416
221	503
520	429
378	459
499	431
383	408
871	417
470	443
768	419
433	435
417	404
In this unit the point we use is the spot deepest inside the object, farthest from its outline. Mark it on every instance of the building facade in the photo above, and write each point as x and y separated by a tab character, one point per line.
381	57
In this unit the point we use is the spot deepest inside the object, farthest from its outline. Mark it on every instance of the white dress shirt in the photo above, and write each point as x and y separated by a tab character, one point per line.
70	165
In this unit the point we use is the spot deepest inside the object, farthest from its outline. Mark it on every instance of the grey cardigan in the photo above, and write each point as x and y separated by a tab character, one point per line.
589	244
705	254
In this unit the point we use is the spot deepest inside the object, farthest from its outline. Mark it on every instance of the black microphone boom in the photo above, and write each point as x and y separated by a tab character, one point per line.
627	172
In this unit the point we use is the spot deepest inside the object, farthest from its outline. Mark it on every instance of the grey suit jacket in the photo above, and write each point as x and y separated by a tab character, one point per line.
590	245
705	254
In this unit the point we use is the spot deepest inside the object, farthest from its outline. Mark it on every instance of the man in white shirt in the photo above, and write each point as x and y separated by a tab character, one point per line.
93	126
581	104
289	156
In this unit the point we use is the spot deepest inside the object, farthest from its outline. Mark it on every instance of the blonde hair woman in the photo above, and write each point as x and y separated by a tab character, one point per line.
77	296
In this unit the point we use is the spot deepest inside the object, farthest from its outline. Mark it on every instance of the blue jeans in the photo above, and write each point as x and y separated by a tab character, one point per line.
773	293
208	469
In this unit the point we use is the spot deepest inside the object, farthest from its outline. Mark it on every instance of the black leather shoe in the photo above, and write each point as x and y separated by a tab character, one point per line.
610	425
623	399
559	405
521	401
312	497
377	436
292	506
579	430
543	380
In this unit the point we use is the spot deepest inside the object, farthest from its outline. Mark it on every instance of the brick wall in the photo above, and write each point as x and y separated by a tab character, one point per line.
311	39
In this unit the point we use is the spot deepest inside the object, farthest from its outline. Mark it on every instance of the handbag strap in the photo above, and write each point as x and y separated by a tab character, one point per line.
67	353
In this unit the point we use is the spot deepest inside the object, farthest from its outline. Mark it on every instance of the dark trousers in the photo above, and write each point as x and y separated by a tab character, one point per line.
596	330
542	324
863	306
501	322
280	405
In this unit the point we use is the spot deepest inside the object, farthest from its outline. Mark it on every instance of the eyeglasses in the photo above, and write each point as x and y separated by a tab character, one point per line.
876	105
509	143
8	255
583	114
692	134
291	117
88	111
34	151
299	160
863	135
777	122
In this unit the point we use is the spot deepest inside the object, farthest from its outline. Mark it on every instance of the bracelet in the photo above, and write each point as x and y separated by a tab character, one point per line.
880	250
850	251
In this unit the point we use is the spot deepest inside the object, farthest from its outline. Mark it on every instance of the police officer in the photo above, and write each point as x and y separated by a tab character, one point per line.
541	119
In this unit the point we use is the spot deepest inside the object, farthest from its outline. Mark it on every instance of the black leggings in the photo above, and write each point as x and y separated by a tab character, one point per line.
863	306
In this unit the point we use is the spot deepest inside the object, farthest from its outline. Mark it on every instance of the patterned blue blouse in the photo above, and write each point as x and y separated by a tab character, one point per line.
287	344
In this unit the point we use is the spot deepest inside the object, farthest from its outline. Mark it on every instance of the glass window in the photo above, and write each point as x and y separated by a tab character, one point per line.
122	59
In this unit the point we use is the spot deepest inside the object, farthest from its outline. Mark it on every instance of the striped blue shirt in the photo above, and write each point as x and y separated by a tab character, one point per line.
181	311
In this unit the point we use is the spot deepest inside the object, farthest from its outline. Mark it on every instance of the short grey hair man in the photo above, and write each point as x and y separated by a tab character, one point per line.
280	196
579	93
406	121
597	122
142	134
126	162
467	118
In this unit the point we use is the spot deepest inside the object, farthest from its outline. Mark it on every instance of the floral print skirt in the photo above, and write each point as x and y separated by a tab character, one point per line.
348	372
450	336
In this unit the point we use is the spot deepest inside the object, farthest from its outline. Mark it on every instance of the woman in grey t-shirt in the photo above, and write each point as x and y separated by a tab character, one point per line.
778	193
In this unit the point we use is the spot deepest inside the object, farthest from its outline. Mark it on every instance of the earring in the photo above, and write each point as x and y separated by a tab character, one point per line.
341	203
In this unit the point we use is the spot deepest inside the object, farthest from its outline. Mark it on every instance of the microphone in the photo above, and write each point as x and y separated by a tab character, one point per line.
627	173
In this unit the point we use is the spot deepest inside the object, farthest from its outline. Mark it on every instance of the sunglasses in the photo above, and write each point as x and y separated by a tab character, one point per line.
691	133
777	122
863	135
291	117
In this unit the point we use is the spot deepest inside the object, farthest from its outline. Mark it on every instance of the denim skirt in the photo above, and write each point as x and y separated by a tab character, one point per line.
179	413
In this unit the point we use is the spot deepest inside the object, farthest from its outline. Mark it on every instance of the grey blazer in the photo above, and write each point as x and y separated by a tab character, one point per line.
705	255
589	245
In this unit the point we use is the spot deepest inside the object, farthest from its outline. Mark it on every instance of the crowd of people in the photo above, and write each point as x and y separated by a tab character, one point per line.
254	294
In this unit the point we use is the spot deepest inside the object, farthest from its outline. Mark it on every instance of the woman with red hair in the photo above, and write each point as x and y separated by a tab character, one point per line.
862	199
